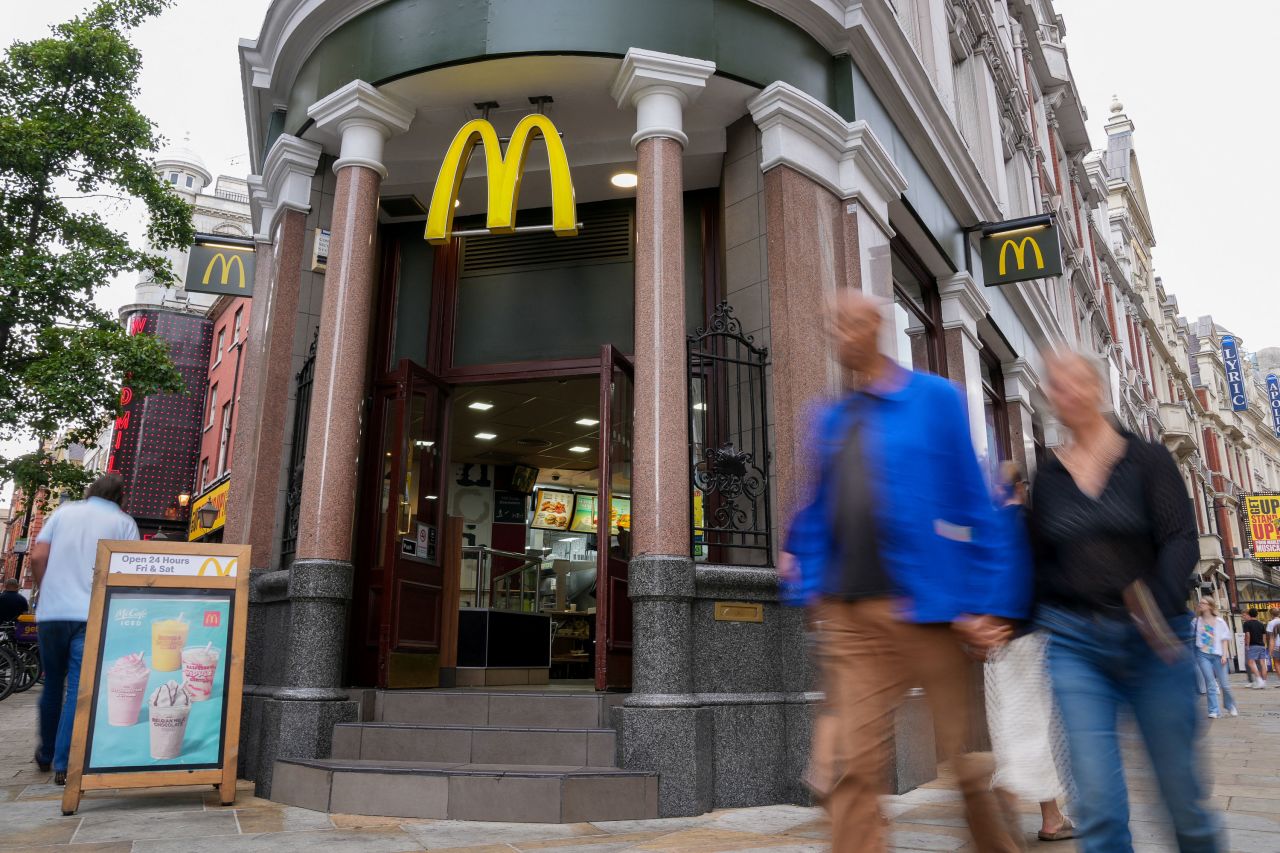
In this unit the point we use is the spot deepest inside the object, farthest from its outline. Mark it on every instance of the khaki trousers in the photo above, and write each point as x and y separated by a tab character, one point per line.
869	658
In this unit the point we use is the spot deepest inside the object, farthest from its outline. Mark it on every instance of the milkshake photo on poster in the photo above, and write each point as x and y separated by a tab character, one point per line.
159	694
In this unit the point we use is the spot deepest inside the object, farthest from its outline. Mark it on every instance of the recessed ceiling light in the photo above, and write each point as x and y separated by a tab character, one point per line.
480	407
586	422
486	436
624	180
699	407
432	497
578	448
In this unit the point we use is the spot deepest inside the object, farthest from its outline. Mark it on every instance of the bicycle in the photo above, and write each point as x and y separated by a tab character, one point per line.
10	669
18	640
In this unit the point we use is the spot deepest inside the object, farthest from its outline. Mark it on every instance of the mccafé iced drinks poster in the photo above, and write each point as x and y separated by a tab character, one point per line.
159	696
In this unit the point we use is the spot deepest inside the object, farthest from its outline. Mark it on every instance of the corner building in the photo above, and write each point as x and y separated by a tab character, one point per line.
431	432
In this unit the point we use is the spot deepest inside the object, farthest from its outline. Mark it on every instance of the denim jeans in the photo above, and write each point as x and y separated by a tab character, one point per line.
1214	672
61	647
1098	665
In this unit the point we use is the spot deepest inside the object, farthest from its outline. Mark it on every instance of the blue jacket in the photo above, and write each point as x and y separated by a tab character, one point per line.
945	547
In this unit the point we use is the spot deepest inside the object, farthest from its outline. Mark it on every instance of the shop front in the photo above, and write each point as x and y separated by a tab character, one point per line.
524	403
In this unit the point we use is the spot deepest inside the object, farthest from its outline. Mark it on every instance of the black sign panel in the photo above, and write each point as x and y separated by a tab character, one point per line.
1020	250
221	268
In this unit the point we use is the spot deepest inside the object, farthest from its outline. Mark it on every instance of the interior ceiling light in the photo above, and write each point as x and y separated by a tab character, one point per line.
457	202
432	497
699	407
486	436
480	407
578	448
421	443
586	422
624	180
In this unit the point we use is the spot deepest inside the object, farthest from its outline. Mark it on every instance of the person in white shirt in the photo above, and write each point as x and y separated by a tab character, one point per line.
62	562
1273	638
1212	636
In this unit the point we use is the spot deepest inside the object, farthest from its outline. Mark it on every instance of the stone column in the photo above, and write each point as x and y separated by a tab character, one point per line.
360	119
661	710
282	198
1019	380
963	305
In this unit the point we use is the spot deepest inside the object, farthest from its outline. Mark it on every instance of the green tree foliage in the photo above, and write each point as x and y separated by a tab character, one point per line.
69	131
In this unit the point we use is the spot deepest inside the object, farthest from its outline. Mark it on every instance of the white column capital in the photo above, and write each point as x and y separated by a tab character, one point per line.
363	119
799	131
963	303
285	183
659	86
1019	380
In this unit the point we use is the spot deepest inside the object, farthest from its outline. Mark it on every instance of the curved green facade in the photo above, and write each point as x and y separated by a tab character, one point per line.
404	37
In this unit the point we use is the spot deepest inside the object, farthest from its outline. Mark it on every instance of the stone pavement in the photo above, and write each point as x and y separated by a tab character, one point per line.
1241	754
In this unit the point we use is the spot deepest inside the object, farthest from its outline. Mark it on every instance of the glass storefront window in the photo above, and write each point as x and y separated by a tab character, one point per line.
917	336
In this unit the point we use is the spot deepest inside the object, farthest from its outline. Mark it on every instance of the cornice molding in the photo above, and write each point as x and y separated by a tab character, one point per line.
799	131
962	300
285	182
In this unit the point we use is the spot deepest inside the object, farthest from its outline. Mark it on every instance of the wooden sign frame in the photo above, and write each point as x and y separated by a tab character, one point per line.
234	559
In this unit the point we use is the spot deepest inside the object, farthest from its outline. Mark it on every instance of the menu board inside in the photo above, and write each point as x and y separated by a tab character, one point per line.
159	696
551	509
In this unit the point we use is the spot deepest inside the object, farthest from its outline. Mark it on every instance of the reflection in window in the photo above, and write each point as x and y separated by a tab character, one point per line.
917	338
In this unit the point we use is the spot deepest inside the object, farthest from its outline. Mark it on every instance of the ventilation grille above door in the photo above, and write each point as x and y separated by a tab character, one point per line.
605	238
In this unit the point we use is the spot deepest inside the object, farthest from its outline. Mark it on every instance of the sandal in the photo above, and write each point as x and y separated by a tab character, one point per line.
1067	830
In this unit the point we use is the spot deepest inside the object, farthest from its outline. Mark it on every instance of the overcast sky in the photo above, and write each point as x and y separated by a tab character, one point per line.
1198	88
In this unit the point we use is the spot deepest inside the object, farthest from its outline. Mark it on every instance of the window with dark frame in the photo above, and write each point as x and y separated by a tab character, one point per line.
995	412
917	313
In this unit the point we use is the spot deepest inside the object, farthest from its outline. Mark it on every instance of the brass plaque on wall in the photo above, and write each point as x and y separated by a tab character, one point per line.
739	611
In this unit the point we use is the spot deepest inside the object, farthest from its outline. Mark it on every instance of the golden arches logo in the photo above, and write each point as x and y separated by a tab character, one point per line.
227	264
220	570
1020	253
504	174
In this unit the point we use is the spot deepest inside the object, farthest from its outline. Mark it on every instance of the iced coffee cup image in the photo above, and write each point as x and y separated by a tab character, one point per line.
168	709
199	665
126	688
168	638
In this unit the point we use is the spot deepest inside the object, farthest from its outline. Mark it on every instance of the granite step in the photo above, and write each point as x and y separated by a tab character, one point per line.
466	791
495	708
588	747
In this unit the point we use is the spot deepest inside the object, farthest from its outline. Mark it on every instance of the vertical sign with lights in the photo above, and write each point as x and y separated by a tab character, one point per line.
1273	401
156	444
1235	376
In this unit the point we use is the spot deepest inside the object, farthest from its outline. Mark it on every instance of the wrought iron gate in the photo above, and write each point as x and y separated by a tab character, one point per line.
729	444
297	456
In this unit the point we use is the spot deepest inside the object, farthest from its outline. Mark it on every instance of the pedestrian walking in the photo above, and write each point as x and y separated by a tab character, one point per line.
62	562
1212	652
1115	544
897	556
12	603
1273	638
1027	739
1256	653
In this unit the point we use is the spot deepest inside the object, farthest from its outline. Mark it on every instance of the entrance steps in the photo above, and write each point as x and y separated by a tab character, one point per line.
525	756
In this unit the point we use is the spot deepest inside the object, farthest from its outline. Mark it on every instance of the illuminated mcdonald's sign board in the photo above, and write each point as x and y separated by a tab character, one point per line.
1020	250
224	268
504	171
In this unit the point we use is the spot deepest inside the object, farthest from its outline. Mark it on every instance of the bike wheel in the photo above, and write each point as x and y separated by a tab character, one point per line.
28	658
8	673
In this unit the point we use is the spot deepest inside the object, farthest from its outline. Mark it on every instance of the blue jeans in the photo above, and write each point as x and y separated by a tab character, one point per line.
1215	676
61	648
1096	666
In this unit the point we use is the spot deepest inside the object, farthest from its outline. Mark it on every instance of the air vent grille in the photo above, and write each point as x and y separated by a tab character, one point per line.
605	238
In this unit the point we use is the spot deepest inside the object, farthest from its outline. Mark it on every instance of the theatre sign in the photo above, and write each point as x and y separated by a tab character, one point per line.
1020	250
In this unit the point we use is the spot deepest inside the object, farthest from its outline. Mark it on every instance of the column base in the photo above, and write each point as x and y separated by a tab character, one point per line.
287	728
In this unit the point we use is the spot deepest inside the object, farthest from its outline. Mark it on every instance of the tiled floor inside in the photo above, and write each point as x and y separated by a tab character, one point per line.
1241	754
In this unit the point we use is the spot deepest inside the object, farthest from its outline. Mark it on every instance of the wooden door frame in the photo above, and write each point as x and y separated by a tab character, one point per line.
610	358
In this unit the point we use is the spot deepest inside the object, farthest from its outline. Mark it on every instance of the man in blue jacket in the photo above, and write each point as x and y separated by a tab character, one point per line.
899	557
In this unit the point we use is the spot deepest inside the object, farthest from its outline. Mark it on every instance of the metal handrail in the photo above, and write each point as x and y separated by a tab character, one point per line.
485	593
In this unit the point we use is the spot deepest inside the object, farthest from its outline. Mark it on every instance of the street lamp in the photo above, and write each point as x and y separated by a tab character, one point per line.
207	515
184	499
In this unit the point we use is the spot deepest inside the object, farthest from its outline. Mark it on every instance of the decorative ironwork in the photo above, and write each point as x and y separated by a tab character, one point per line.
728	443
298	455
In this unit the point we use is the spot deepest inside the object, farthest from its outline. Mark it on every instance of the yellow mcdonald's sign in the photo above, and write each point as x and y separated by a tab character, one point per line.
1020	253
219	568
504	173
1032	242
220	258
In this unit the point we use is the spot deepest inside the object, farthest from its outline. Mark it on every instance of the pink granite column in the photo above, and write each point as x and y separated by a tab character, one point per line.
327	513
259	459
660	484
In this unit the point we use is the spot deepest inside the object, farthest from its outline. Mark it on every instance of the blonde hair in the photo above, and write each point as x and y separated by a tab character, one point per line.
1213	605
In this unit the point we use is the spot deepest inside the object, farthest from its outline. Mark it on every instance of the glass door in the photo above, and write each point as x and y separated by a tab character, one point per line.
613	550
413	628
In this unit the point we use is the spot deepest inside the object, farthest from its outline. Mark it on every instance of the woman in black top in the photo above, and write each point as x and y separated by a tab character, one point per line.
1115	545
